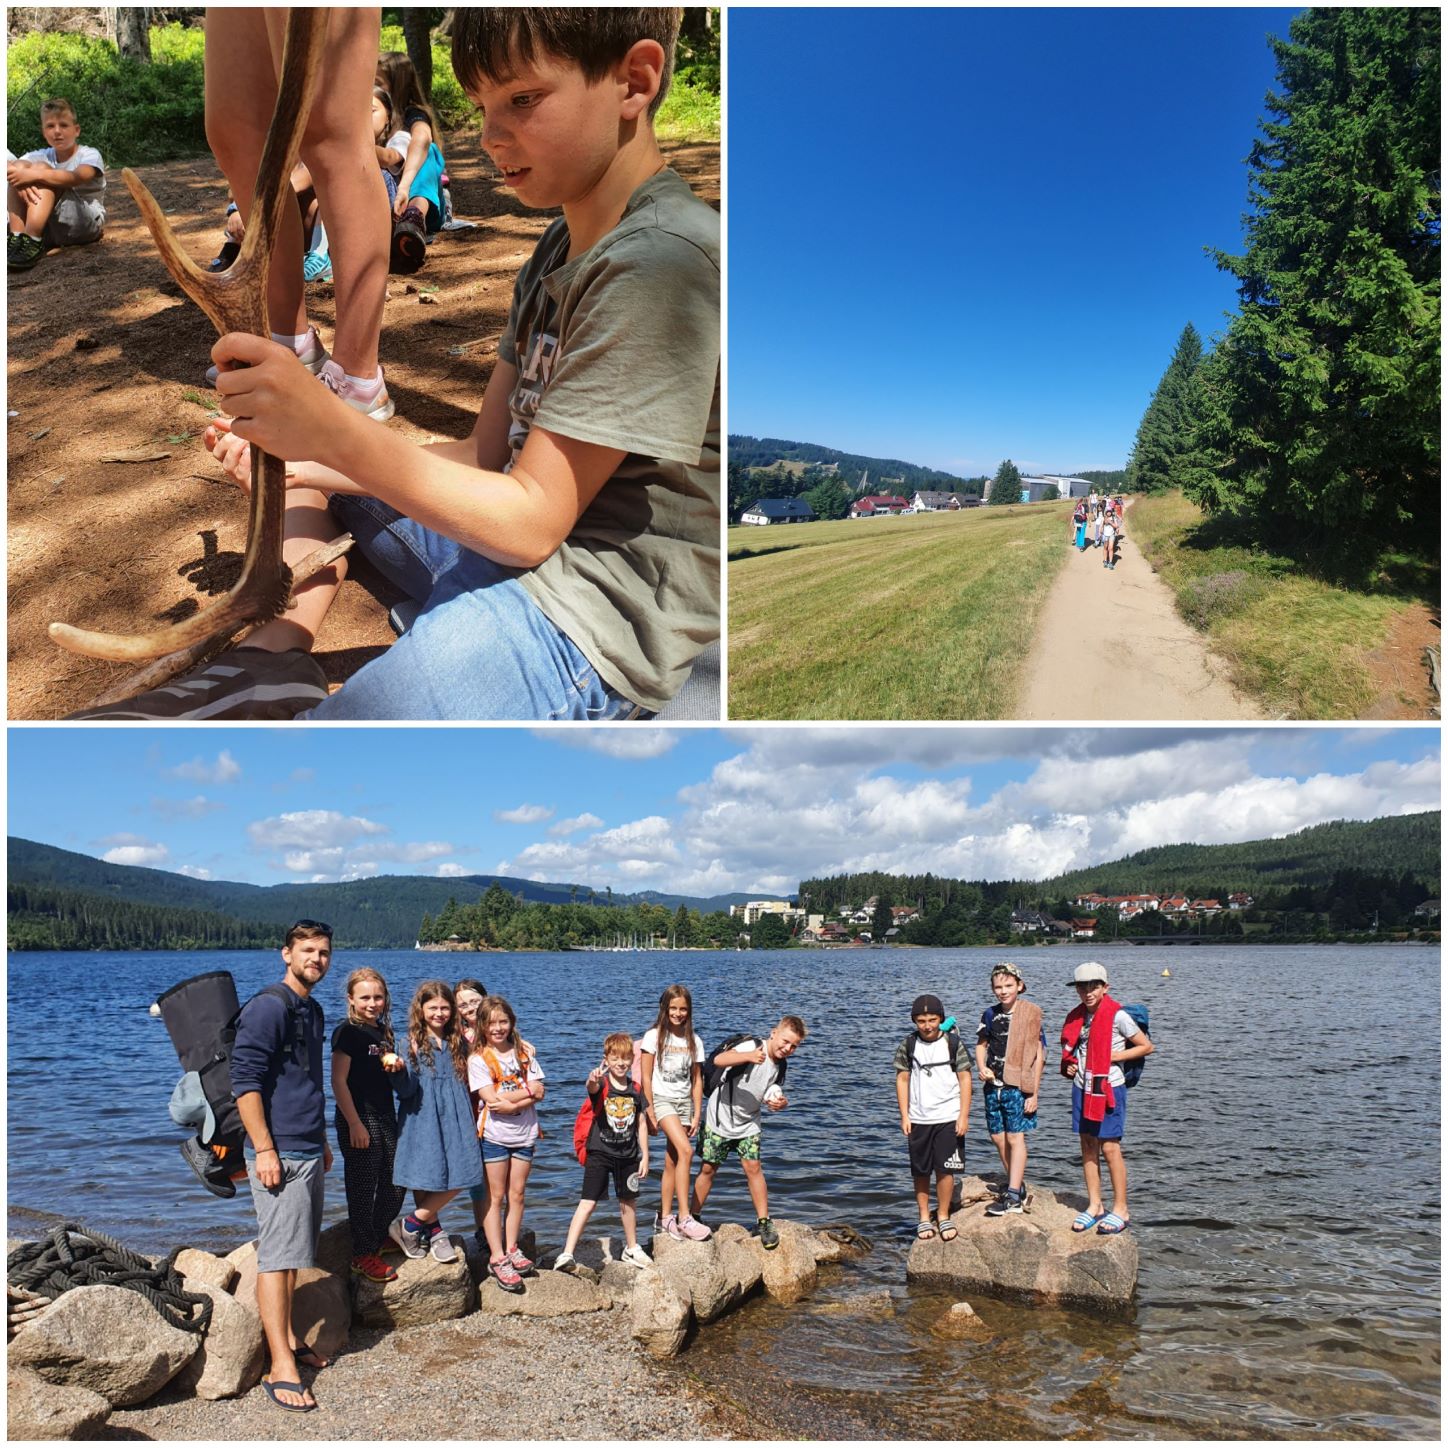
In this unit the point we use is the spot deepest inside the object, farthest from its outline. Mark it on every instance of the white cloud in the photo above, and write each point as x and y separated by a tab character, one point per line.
193	872
195	808
448	870
584	821
524	814
224	770
319	828
134	850
329	845
621	741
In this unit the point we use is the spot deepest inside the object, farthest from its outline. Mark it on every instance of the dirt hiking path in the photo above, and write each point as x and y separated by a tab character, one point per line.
1111	645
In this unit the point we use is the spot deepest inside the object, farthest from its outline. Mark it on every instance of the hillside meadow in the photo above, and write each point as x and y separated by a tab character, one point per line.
927	616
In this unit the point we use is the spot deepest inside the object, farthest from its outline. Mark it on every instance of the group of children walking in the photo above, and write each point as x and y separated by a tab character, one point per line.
1103	515
452	1107
933	1086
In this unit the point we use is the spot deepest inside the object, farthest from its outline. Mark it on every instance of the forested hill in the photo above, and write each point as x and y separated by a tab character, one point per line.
60	899
763	452
1403	844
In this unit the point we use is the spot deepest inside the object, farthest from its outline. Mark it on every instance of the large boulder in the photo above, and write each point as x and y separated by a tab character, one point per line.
739	1259
233	1350
549	1294
1033	1255
36	1409
788	1271
661	1314
425	1291
110	1340
322	1306
197	1266
694	1271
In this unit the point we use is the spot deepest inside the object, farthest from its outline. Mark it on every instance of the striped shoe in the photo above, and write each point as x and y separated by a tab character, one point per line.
240	683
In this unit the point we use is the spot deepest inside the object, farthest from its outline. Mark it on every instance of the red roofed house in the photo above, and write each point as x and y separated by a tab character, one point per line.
878	506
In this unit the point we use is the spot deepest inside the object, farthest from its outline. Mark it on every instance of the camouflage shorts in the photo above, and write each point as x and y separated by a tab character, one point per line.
715	1148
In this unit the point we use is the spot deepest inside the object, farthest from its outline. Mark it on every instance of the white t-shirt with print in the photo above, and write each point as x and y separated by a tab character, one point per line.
673	1072
511	1128
934	1087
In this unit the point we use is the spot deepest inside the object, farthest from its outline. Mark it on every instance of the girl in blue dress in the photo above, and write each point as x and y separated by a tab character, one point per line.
437	1147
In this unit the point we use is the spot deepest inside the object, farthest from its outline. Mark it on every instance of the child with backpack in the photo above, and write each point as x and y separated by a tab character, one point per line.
436	1153
1098	1037
505	1074
932	1085
1010	1052
673	1086
743	1077
617	1148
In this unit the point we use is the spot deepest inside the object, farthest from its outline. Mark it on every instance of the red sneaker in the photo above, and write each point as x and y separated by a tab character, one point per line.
373	1268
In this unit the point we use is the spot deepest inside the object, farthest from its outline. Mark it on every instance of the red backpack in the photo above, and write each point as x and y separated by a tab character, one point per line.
583	1122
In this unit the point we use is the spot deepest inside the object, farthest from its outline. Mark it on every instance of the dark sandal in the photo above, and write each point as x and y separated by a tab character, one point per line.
925	1231
948	1230
272	1388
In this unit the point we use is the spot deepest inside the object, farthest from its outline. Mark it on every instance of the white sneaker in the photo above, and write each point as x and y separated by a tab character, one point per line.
442	1248
371	401
312	357
565	1262
412	1243
635	1256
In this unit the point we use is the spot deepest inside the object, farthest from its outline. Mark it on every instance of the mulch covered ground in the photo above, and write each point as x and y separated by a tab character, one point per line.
107	354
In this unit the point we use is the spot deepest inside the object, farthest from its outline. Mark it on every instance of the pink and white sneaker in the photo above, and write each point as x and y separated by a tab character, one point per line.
522	1265
313	357
694	1231
370	399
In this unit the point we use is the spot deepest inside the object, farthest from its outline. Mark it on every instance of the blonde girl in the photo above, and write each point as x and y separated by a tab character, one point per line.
437	1155
673	1084
469	996
508	1080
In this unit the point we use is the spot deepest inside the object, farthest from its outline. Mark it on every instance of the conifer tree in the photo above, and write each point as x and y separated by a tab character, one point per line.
1166	433
1006	486
1329	411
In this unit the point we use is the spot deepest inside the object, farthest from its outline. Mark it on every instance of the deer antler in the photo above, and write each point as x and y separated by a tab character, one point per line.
235	300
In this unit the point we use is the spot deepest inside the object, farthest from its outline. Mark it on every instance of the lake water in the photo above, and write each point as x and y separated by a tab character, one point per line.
1284	1151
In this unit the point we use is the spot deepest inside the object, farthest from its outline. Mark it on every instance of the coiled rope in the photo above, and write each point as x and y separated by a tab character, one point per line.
74	1256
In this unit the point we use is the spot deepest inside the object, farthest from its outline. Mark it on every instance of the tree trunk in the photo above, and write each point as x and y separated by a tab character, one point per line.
418	39
131	31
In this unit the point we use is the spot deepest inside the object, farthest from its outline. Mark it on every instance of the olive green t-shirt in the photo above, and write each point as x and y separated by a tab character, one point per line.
620	347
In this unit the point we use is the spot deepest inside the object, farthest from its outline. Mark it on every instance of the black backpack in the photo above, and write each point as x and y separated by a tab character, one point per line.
716	1076
952	1038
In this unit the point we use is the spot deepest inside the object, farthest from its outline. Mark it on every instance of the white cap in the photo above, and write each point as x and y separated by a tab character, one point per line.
1089	973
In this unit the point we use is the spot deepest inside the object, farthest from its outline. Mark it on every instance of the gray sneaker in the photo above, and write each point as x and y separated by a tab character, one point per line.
441	1247
413	1244
768	1234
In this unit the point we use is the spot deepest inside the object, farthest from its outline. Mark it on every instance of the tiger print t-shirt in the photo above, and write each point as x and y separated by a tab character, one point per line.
615	1130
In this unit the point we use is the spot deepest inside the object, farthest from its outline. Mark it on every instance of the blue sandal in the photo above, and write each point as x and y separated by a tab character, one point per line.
1084	1222
1112	1225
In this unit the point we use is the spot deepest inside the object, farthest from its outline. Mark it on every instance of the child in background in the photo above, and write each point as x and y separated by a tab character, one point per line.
54	196
508	1081
673	1083
417	204
932	1086
1097	1037
1010	1052
469	995
1108	532
618	1147
437	1153
363	1060
390	155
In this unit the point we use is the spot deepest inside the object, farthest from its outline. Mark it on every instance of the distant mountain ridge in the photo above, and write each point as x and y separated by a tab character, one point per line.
382	912
764	452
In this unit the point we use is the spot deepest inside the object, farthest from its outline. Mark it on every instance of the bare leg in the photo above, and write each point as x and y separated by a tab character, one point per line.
678	1162
922	1198
944	1193
758	1192
1116	1165
274	1305
497	1197
581	1213
999	1139
1016	1166
308	526
629	1217
703	1184
427	1206
1091	1170
517	1186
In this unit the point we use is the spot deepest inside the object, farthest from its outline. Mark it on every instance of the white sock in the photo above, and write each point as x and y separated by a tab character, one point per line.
364	382
297	344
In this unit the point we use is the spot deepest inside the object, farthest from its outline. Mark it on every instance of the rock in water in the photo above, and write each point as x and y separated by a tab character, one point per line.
107	1339
692	1269
960	1321
660	1315
232	1353
36	1409
1032	1255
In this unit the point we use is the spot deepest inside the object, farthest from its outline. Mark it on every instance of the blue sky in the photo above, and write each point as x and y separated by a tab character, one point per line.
689	811
957	236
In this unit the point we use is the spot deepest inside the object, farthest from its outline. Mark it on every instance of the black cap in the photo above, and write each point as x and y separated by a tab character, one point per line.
927	1005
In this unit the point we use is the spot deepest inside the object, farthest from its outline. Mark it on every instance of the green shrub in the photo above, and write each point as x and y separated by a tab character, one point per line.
1219	595
130	112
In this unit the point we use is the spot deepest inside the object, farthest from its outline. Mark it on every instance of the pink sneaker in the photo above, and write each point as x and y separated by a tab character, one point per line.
313	357
521	1264
505	1275
694	1231
670	1226
371	399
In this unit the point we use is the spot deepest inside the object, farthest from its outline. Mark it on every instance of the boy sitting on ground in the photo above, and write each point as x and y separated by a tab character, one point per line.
731	1116
1010	1052
55	196
566	554
1097	1037
932	1084
617	1149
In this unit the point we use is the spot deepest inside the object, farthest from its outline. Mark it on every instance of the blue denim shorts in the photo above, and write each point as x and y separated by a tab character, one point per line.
1005	1110
1111	1128
493	1152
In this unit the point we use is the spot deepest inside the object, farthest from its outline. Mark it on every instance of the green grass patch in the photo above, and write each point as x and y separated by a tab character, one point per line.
1296	643
925	617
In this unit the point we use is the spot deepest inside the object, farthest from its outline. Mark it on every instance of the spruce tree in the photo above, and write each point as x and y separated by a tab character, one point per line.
1006	486
1330	403
1167	428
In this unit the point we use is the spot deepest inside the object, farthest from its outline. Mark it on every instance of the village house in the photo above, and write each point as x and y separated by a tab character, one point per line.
1083	929
936	502
1239	900
778	510
751	910
878	505
1029	922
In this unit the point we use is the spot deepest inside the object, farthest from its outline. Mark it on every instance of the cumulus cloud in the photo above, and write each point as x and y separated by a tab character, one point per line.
195	808
194	872
222	770
566	827
126	849
328	845
319	828
624	741
449	870
524	814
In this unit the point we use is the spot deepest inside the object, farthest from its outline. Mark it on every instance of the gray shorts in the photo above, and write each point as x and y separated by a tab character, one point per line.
288	1219
684	1109
75	221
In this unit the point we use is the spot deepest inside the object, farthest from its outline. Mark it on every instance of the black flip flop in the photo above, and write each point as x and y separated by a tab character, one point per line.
272	1388
310	1359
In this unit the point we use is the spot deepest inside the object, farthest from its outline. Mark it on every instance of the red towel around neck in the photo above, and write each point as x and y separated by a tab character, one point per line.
1098	1095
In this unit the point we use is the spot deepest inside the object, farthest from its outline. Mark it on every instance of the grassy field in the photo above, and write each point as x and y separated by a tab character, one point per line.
1294	642
920	617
